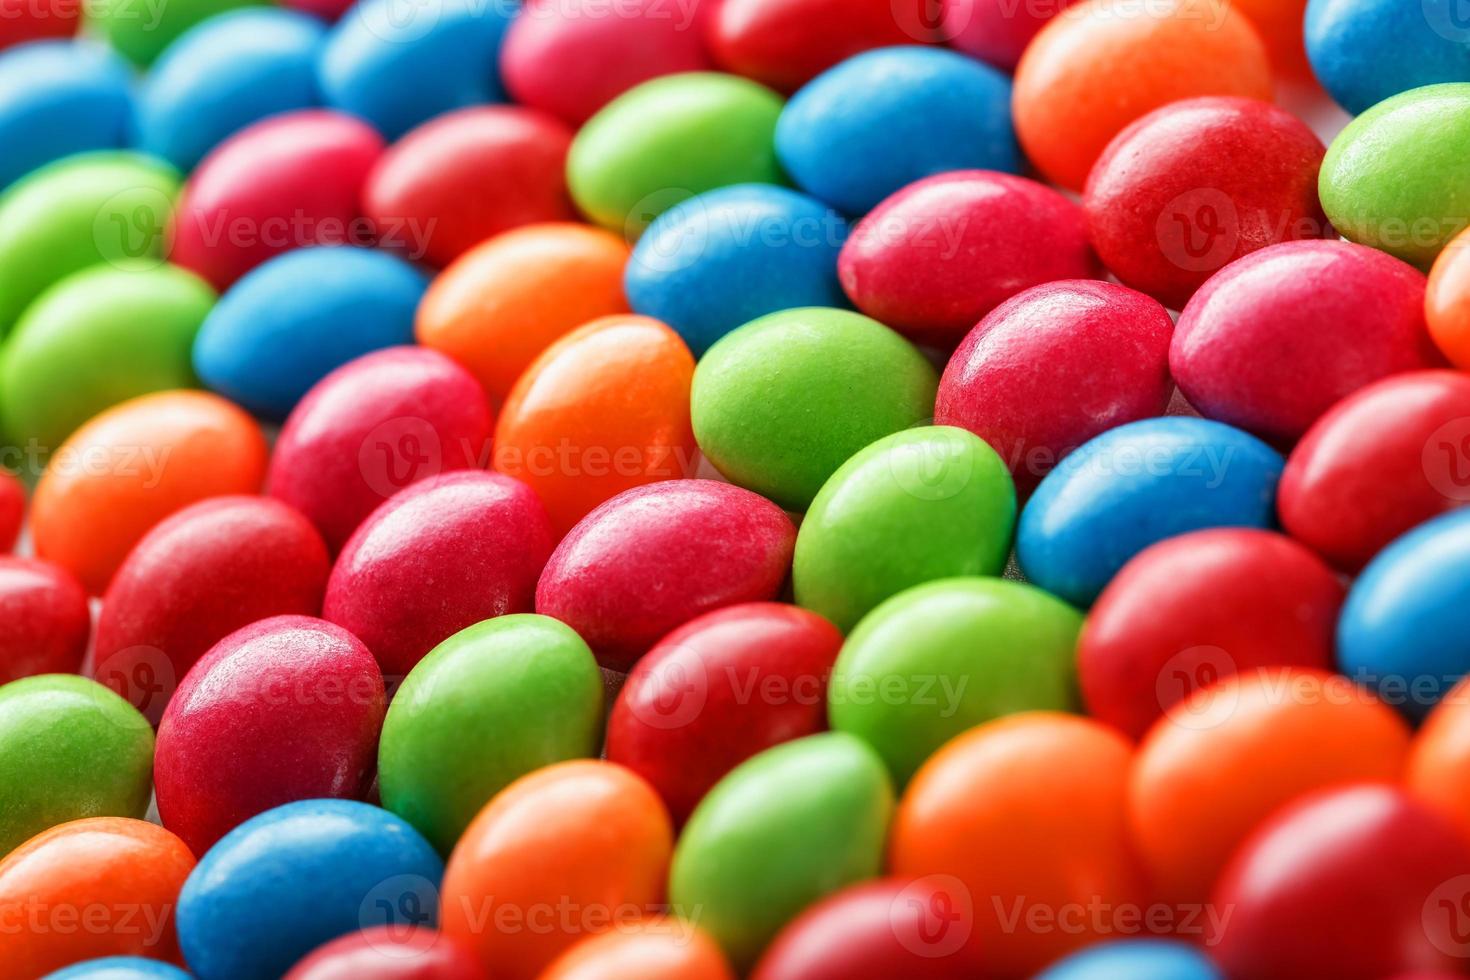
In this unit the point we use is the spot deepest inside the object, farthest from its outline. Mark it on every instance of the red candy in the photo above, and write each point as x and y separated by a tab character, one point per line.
35	20
997	31
653	558
44	619
440	556
12	509
464	176
1202	606
387	953
286	709
194	579
935	257
1197	184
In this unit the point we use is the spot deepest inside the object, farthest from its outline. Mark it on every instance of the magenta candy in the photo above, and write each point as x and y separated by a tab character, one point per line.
44	619
371	428
653	558
996	31
440	556
392	952
286	709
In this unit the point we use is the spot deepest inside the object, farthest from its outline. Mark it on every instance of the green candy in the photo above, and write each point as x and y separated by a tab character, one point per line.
944	657
669	139
780	403
919	505
97	338
488	705
78	212
141	29
781	830
69	748
1398	177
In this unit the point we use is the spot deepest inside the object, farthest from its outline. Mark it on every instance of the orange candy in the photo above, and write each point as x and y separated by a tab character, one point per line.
603	410
507	299
1447	301
1028	813
1228	756
1102	64
654	949
104	886
1279	22
132	466
573	849
1439	759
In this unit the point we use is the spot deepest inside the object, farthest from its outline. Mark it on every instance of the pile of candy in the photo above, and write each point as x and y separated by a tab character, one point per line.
686	489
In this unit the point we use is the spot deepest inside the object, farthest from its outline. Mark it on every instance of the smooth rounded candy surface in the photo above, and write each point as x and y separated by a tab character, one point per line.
654	949
725	257
653	558
1447	301
585	833
1135	485
632	160
132	466
780	403
493	702
884	119
389	953
995	31
782	830
1106	349
1439	758
128	871
371	428
603	410
23	20
1192	609
295	319
1137	959
58	98
906	263
120	968
718	690
12	509
465	176
480	538
44	619
1195	185
1104	63
223	75
1364	51
140	33
292	878
69	748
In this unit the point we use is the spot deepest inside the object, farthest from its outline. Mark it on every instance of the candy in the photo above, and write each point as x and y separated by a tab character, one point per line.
120	968
389	953
602	410
97	338
288	880
1105	63
1274	340
718	690
285	182
141	33
1106	349
1133	486
69	748
1447	301
132	466
1024	817
12	509
295	319
44	619
1137	959
572	57
779	404
1195	185
1192	609
1380	461
632	160
488	705
1364	51
99	887
505	301
26	20
1225	757
1392	179
655	557
883	119
574	849
785	828
1439	758
909	263
654	949
373	427
224	74
725	257
58	98
1279	22
465	176
397	67
996	31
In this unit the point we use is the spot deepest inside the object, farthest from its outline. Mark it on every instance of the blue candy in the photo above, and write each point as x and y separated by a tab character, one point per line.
224	74
724	258
1134	486
119	968
1135	959
886	118
1363	51
293	320
58	98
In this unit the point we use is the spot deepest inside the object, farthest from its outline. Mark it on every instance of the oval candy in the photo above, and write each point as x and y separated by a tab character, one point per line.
120	968
662	948
58	98
389	953
1138	959
141	33
44	619
1365	51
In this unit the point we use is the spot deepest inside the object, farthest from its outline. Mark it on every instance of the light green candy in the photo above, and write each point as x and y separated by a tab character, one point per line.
669	139
141	29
